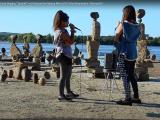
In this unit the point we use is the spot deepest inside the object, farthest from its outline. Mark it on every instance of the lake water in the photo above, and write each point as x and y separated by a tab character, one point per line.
102	49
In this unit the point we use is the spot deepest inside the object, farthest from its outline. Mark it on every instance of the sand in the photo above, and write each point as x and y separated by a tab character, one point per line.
26	100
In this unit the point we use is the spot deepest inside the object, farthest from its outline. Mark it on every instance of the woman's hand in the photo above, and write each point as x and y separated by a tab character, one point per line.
72	27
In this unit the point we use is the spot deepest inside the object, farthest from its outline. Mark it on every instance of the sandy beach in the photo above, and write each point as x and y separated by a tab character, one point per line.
26	100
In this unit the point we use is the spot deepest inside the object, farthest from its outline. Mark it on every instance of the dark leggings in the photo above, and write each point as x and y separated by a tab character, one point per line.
127	74
65	75
130	67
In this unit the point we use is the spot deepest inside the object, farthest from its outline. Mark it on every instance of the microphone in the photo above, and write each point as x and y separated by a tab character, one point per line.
72	26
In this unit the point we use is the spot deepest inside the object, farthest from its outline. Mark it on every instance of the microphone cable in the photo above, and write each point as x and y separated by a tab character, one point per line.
80	74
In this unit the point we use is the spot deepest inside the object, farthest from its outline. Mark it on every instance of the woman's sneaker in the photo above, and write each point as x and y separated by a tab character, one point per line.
136	100
124	102
64	98
72	95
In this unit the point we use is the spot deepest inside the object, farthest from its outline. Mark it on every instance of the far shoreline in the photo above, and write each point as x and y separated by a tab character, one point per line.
1	41
104	39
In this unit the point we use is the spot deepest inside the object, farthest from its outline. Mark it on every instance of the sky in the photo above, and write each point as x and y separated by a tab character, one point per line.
38	18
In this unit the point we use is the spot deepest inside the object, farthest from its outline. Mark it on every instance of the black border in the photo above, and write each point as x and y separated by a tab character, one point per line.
104	1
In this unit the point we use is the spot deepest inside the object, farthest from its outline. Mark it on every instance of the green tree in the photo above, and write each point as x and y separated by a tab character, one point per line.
31	38
48	39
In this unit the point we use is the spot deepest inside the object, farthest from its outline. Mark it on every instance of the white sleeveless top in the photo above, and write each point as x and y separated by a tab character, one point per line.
60	45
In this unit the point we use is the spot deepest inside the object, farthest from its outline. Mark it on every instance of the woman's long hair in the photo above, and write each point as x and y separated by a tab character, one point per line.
129	14
58	18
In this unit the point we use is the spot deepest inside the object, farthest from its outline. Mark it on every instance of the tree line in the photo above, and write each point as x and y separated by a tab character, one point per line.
104	40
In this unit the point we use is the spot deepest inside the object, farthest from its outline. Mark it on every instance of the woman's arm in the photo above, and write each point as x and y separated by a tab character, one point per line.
68	39
119	32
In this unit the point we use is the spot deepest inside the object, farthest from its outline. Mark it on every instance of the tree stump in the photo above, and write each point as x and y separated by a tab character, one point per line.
4	76
35	78
17	73
47	75
10	73
26	74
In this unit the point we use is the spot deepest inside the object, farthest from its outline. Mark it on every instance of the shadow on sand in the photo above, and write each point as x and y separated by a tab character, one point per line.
150	105
153	79
157	93
51	84
113	102
95	101
153	115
